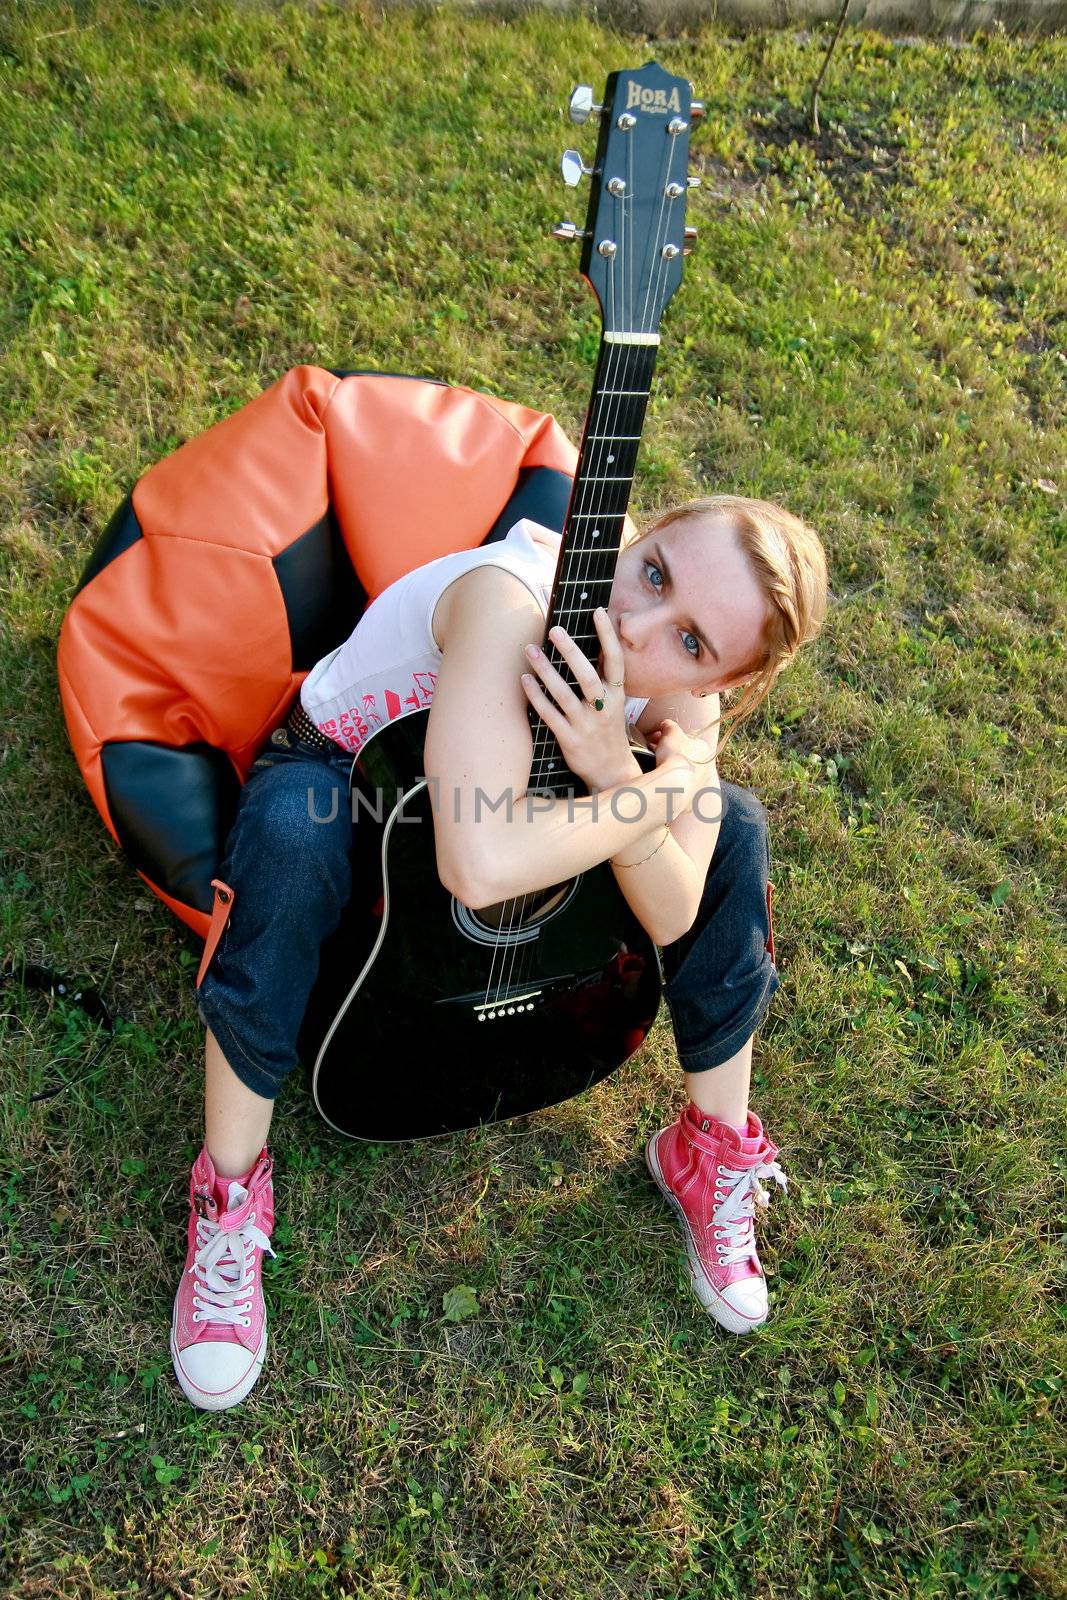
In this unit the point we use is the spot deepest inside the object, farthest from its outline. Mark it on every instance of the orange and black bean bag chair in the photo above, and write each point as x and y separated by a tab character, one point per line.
241	559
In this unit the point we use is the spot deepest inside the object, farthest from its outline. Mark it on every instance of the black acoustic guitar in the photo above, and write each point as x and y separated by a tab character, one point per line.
428	1017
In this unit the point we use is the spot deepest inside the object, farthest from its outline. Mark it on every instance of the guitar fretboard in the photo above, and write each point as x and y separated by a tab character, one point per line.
593	530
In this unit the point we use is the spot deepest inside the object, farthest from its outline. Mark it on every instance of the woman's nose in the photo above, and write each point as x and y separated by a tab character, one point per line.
629	629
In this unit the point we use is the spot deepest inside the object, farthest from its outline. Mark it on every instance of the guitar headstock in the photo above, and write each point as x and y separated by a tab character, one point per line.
635	234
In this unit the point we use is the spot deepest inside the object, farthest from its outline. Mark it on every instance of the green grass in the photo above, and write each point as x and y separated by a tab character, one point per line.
871	330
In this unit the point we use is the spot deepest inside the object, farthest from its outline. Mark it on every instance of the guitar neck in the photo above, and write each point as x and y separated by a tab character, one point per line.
633	244
593	530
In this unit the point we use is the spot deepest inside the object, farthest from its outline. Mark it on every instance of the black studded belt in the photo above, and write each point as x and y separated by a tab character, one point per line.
300	726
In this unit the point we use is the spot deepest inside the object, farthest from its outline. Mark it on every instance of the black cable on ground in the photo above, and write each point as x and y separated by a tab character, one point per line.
58	986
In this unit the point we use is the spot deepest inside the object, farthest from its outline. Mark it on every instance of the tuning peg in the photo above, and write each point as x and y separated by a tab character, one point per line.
567	231
582	105
574	168
696	110
690	237
693	183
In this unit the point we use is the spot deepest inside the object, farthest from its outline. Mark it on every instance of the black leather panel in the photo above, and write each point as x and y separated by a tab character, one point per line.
172	810
323	597
542	494
121	532
369	372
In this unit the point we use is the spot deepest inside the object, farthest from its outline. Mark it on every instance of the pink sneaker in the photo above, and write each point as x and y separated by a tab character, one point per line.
710	1174
218	1334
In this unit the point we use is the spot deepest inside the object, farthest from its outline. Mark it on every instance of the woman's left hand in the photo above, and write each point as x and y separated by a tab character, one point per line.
595	744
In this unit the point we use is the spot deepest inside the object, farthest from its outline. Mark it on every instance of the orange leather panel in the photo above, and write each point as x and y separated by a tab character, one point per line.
219	917
159	645
416	470
253	482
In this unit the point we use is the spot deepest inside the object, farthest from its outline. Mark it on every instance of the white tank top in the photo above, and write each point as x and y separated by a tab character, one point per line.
388	664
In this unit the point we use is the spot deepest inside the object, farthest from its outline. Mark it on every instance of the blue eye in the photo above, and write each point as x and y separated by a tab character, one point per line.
650	566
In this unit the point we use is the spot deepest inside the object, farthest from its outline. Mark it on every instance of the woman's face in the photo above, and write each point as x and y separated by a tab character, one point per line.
687	609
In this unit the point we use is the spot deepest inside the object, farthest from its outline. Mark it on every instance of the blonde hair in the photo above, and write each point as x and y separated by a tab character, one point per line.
788	561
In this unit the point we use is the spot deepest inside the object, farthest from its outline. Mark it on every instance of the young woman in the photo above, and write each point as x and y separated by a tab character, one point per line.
717	596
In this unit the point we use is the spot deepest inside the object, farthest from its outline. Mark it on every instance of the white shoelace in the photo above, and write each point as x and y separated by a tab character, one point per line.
736	1214
223	1268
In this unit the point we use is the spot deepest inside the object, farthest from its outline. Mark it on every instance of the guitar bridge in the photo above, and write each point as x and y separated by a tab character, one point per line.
509	1005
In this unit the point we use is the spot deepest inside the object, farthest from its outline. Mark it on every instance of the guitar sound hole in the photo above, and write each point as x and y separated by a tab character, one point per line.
524	911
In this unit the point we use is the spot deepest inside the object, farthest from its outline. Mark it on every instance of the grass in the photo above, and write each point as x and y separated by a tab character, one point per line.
871	330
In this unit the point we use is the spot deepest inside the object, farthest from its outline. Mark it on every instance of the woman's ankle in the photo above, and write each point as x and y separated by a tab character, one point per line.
722	1092
697	1114
232	1162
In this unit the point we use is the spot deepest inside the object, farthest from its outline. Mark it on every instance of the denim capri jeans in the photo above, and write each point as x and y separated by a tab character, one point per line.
288	861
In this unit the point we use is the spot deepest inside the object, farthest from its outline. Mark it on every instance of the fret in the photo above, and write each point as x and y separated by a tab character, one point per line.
612	438
606	394
576	549
605	514
570	583
626	477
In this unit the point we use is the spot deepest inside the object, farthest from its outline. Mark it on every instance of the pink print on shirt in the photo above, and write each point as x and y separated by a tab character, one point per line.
422	685
352	728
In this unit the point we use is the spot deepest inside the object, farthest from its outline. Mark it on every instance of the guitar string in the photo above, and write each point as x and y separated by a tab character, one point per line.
520	957
655	281
506	944
625	405
603	423
602	428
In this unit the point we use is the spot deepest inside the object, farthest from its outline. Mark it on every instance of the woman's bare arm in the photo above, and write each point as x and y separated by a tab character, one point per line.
664	891
494	841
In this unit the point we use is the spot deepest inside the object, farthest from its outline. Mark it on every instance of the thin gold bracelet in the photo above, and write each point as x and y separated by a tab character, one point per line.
625	864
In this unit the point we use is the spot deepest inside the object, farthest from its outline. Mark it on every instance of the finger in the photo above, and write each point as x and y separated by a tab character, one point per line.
584	673
587	674
554	682
611	642
546	709
572	652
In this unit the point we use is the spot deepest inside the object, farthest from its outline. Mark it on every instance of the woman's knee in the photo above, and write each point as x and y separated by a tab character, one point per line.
743	814
295	812
290	846
743	845
299	798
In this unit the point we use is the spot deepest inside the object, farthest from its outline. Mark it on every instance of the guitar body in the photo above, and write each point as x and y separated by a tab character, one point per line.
429	1018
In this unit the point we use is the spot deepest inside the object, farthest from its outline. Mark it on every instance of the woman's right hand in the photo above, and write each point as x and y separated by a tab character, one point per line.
686	758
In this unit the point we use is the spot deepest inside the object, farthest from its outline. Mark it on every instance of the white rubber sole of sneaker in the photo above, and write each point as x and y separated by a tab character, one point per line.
723	1312
229	1397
